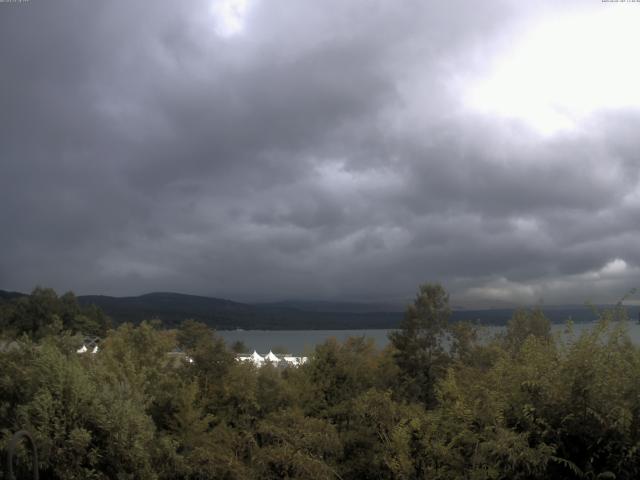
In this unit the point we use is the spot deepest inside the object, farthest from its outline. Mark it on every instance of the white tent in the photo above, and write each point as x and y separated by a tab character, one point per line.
82	349
292	360
270	357
257	359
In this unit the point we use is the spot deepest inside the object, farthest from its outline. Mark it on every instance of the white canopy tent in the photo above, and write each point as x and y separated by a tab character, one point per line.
257	359
270	357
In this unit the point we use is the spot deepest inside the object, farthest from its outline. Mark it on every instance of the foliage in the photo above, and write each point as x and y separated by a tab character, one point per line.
44	313
239	347
158	404
418	343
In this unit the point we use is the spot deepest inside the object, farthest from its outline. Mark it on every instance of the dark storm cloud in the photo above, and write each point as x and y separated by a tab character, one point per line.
321	152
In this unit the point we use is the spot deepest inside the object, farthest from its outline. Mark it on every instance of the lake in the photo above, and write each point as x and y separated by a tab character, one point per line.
301	341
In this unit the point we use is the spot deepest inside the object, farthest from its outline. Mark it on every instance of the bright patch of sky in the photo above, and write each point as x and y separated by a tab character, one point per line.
562	70
230	16
615	272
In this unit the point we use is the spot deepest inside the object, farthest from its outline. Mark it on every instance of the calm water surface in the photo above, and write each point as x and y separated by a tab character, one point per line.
301	341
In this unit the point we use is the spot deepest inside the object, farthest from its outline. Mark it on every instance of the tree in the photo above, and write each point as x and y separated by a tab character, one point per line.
272	393
338	373
419	353
87	422
43	313
239	347
525	323
296	447
192	333
37	311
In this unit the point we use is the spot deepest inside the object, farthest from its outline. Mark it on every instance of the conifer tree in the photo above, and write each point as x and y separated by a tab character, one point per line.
419	353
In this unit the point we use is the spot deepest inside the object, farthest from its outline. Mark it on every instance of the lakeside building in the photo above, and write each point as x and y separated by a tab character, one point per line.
271	358
90	344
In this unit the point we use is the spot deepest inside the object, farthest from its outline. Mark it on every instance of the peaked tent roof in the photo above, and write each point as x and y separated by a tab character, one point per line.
255	356
271	357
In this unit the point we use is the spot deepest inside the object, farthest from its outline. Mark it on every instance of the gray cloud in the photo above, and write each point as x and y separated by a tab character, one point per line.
322	152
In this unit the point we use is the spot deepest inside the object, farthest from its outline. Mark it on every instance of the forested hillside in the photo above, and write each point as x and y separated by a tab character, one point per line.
524	405
221	314
173	308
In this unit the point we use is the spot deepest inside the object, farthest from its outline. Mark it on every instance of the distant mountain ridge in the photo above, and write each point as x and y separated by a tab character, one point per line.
5	295
172	308
335	306
223	314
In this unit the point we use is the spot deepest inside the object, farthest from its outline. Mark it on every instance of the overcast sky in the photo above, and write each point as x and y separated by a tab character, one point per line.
345	150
